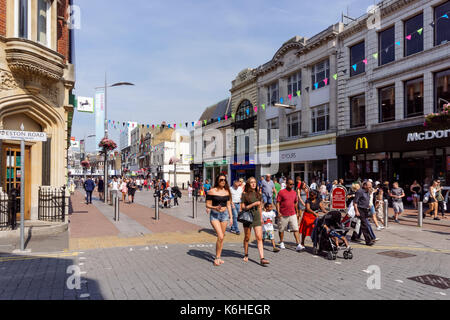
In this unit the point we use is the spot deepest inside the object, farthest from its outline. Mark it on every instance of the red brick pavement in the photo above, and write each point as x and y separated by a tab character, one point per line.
409	218
87	221
145	216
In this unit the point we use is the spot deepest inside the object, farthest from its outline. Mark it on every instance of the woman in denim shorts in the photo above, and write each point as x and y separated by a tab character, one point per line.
218	200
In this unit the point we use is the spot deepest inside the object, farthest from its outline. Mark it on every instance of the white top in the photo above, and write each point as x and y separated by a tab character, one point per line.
236	194
269	220
283	185
115	186
138	182
313	186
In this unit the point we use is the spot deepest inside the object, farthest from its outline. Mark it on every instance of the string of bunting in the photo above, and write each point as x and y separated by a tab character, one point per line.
116	124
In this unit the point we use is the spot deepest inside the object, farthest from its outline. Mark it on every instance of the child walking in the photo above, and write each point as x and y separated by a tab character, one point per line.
268	216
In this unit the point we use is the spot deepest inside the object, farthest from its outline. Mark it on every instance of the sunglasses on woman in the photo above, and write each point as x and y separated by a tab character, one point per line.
222	180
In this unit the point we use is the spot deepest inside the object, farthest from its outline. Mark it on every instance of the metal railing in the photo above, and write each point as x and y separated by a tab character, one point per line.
52	204
9	207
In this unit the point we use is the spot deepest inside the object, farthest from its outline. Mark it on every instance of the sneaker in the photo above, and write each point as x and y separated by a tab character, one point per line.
299	248
276	249
232	231
376	239
379	228
282	245
396	221
238	233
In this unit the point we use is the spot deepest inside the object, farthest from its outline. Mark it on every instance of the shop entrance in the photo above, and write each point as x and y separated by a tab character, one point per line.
12	173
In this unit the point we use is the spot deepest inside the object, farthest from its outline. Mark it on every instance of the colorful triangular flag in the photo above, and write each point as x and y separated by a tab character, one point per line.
397	43
281	100
420	31
263	106
335	76
325	81
354	67
408	37
298	93
290	96
365	61
375	55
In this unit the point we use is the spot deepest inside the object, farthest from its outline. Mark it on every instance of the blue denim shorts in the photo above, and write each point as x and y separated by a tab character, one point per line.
220	216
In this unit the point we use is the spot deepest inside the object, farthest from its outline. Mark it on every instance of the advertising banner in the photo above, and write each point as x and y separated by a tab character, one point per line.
85	104
99	116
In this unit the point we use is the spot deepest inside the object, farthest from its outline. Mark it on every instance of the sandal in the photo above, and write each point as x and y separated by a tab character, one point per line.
264	262
246	258
217	264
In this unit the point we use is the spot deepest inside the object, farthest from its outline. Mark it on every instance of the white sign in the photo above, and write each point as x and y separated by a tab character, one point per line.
308	154
23	135
427	135
85	104
75	144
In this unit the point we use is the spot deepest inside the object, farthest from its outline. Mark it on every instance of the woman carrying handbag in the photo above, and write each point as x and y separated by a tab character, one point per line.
251	202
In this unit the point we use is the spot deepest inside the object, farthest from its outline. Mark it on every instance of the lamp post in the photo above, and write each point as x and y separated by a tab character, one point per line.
105	166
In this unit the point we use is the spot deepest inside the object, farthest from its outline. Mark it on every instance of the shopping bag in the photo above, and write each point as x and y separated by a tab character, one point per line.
351	210
355	224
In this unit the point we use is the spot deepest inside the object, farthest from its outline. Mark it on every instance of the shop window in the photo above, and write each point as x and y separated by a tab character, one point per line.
416	43
386	47
357	55
272	93
294	124
271	124
294	83
442	23
387	104
319	72
414	98
358	111
320	119
245	111
442	89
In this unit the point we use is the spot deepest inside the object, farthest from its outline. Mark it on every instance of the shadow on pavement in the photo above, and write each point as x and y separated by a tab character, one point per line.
438	232
45	277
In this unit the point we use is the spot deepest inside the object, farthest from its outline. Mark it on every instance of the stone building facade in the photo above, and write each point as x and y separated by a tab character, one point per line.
36	79
390	78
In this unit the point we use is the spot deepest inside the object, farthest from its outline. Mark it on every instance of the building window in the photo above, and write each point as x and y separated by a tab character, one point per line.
320	119
415	44
294	83
442	23
319	72
271	124
245	111
357	55
22	21
386	47
43	19
414	98
442	89
293	124
387	104
358	111
272	93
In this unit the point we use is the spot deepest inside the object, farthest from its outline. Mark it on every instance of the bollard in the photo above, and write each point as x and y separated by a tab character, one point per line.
116	207
193	207
196	208
386	215
420	215
156	205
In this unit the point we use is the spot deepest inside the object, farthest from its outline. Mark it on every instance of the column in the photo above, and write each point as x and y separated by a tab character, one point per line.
307	173
292	171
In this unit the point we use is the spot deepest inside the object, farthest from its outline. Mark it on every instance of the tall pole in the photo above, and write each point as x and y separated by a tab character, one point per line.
105	166
22	193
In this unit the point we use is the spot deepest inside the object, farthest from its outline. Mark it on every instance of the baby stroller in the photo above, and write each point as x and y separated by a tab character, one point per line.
324	242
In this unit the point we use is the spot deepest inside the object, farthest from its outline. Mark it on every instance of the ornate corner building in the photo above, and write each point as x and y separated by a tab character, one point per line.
36	79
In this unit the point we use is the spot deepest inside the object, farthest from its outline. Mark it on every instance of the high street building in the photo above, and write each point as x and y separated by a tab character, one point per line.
36	79
307	128
390	78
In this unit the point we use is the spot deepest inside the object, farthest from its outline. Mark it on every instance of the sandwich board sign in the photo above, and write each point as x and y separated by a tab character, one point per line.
338	198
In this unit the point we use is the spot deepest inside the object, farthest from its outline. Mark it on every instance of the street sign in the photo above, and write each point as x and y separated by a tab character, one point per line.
23	135
338	198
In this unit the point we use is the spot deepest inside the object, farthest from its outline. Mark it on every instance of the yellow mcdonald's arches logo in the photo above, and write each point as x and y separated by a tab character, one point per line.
361	143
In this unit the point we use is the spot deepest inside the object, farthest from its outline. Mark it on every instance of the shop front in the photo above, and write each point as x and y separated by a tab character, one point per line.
214	168
404	155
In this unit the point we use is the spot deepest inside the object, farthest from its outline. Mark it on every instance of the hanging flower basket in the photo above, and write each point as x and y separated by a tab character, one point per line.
439	121
85	164
107	144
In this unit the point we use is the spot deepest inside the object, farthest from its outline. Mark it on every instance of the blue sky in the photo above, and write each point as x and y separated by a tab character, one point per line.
182	55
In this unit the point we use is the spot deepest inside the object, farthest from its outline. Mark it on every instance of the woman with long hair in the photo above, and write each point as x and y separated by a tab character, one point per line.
313	206
432	201
415	189
252	201
302	194
218	201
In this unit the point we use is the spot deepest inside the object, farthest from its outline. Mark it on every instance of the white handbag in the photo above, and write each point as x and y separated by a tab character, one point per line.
426	197
355	224
351	210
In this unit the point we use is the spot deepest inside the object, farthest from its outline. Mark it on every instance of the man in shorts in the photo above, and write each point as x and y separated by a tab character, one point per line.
287	208
397	203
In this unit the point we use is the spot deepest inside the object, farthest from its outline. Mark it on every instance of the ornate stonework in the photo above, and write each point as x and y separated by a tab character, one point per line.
7	80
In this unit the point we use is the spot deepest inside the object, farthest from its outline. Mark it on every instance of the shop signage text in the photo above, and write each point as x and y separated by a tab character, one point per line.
428	135
23	135
361	143
338	198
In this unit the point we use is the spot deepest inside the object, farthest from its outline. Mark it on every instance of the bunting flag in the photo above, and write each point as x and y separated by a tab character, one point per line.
226	117
290	96
218	119
408	37
248	111
307	89
335	76
420	31
233	115
281	100
365	61
298	93
316	85
263	106
375	55
205	121
325	81
354	67
397	43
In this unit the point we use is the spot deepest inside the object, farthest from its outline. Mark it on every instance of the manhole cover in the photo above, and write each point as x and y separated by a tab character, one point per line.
433	280
397	254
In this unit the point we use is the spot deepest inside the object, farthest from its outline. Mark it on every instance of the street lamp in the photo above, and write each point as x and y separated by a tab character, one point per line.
105	169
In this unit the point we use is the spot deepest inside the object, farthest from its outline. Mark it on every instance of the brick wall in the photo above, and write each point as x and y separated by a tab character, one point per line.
2	17
63	30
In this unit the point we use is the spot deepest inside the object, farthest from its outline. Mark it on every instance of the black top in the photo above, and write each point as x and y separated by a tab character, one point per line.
416	189
315	206
362	199
218	200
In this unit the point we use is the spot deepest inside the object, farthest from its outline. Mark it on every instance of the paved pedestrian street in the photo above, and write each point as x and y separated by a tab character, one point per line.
140	258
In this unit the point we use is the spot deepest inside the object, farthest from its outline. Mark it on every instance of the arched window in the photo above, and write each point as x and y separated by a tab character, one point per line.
241	113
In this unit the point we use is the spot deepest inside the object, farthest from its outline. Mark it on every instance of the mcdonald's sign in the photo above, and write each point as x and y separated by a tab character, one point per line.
361	143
